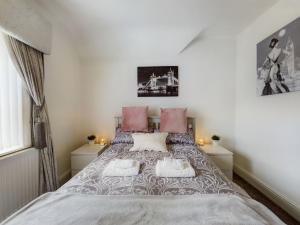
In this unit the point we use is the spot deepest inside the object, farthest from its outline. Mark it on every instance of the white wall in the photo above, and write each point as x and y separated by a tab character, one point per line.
63	95
267	128
206	74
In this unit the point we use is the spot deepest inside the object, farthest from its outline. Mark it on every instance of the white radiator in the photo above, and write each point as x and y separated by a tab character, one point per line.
18	180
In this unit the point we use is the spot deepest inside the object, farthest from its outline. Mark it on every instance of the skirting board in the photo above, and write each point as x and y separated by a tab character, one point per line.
279	199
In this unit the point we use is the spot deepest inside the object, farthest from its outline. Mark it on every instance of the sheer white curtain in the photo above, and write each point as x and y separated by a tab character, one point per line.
14	106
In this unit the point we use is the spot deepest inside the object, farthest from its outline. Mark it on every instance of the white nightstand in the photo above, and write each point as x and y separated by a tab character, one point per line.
222	157
82	156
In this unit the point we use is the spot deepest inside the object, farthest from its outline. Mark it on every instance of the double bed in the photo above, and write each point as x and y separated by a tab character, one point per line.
209	178
89	198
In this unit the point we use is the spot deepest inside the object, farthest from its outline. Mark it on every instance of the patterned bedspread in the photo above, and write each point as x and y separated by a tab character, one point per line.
209	179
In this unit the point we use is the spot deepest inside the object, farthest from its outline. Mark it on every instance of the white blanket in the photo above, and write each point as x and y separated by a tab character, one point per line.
79	209
119	167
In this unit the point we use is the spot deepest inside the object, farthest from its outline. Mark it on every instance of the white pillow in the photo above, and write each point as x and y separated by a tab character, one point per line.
149	141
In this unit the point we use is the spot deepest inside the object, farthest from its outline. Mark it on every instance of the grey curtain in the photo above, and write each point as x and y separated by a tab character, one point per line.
30	64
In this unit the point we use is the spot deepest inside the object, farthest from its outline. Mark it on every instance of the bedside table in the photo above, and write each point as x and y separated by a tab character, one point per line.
222	157
82	156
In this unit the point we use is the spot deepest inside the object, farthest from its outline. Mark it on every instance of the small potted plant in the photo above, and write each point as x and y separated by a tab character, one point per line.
215	139
91	139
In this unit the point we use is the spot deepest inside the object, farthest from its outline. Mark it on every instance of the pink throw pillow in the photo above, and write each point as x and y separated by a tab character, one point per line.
135	119
173	120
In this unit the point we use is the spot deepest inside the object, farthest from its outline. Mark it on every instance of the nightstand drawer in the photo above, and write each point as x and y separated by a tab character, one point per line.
228	173
74	172
222	157
81	161
85	154
223	162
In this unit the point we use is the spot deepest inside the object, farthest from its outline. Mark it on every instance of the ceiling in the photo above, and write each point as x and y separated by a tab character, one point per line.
124	28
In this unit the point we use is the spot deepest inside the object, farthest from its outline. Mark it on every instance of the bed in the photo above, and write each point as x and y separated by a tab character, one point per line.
89	198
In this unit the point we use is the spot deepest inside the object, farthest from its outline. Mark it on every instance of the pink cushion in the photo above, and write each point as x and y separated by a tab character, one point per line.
135	119
173	120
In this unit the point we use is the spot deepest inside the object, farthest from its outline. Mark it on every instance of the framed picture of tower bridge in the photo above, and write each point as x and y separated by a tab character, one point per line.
157	81
278	61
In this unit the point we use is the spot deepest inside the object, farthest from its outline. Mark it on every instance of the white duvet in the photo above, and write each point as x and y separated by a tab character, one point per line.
81	209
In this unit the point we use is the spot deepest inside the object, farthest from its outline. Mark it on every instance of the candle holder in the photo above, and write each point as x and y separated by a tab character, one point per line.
201	142
102	141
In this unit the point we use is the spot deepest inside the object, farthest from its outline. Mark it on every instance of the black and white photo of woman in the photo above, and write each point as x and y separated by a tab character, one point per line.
278	61
274	82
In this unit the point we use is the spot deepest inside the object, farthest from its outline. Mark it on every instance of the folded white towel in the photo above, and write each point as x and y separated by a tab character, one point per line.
113	169
174	168
123	163
177	164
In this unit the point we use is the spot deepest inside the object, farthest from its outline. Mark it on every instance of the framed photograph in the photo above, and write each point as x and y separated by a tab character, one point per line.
278	61
157	81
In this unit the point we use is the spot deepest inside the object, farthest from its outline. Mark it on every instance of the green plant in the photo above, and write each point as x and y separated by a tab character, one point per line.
216	138
91	137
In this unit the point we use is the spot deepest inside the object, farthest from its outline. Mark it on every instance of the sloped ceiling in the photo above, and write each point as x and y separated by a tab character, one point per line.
139	28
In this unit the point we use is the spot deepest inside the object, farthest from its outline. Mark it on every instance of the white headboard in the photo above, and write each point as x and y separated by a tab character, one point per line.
154	122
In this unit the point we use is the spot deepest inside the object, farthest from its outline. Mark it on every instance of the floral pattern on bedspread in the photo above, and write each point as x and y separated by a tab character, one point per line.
209	178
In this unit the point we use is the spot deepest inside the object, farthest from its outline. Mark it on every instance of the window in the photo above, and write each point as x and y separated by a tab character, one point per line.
14	107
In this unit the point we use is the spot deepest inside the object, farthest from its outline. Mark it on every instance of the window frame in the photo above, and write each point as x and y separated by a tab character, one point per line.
24	109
